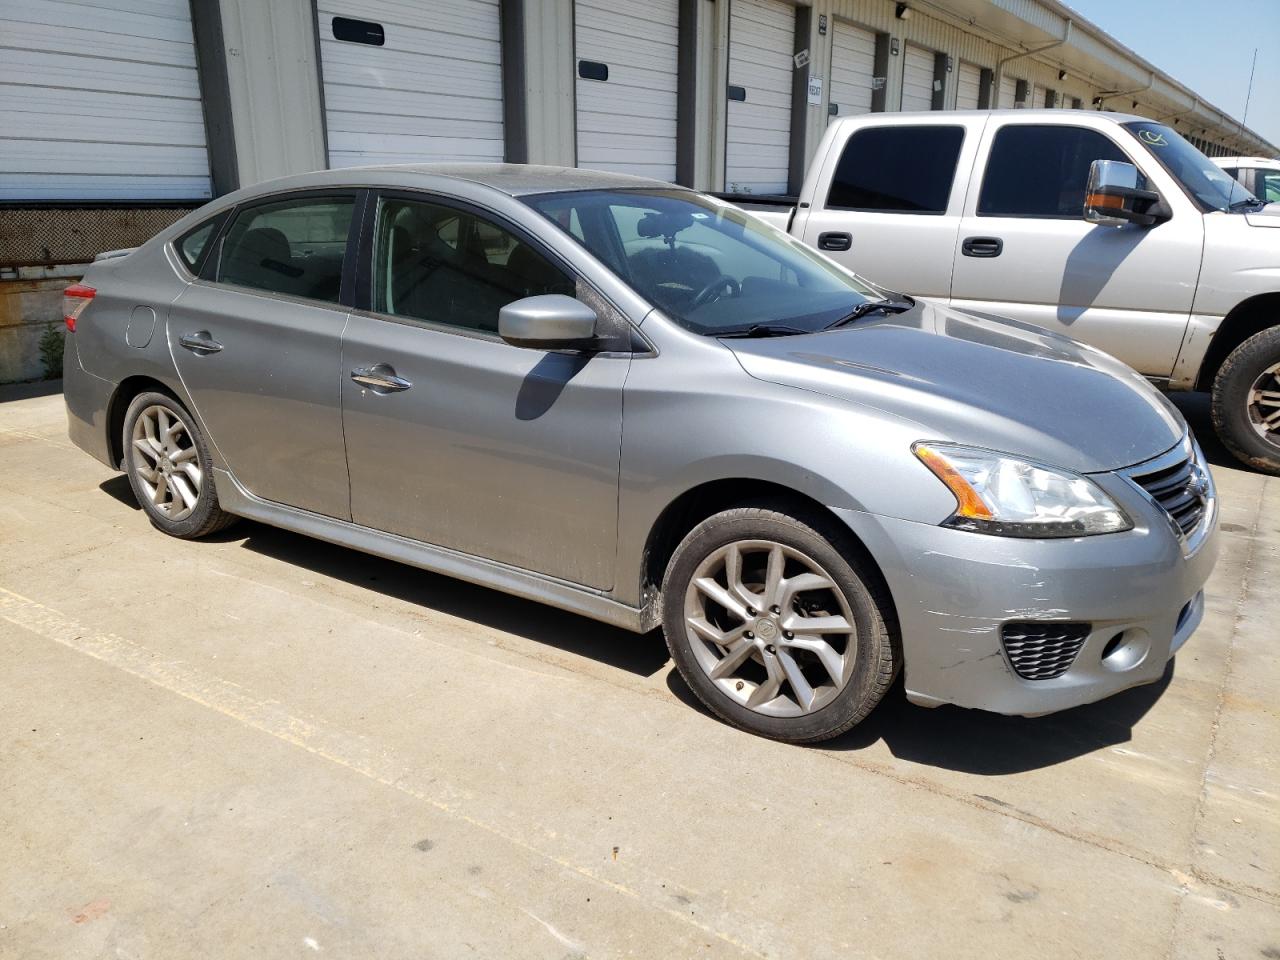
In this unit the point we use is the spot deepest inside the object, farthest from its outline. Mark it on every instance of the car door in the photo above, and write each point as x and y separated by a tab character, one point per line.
1026	252
257	342
470	443
888	208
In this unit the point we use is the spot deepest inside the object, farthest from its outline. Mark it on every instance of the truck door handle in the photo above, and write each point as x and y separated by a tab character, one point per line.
200	342
982	246
834	241
380	378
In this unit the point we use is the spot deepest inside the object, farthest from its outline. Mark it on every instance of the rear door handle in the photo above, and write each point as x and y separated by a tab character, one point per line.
835	241
380	378
200	342
982	246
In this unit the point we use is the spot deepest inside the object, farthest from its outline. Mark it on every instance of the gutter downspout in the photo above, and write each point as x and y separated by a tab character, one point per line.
998	74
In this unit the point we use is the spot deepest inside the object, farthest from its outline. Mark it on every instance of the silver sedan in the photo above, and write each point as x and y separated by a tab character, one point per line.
633	401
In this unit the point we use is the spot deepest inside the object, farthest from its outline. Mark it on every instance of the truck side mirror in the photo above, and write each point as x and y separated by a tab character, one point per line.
1113	196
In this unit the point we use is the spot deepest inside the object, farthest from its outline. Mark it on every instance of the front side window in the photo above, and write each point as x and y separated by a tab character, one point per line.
1043	171
707	265
295	247
1268	185
448	266
897	169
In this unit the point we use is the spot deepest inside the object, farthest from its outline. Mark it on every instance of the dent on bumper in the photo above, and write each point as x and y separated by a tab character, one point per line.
954	591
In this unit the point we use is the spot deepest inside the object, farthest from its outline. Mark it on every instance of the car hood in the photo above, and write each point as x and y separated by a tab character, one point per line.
980	380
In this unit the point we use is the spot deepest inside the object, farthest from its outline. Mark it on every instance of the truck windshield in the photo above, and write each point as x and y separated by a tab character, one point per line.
1207	183
707	265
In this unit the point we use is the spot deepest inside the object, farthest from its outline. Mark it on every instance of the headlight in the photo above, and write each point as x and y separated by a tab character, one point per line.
1002	495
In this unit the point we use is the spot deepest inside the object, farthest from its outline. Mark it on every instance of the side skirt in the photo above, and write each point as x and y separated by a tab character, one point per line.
234	498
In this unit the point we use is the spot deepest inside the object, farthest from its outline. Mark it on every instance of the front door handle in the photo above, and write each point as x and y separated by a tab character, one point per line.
380	378
200	342
982	246
835	241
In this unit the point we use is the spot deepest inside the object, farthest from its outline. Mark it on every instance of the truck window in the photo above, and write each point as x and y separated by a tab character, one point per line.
897	169
1042	171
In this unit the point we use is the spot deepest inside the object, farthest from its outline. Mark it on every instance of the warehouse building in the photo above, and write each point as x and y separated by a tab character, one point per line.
119	115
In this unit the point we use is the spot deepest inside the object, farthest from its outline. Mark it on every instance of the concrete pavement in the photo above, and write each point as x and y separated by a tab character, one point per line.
263	745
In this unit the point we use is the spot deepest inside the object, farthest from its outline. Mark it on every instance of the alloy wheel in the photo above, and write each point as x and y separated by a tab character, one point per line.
1264	404
166	462
770	628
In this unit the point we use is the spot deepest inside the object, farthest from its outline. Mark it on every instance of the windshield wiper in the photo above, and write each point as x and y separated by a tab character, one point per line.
872	306
1247	202
762	330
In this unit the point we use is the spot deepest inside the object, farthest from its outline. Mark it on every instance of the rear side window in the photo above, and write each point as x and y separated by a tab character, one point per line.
294	247
1043	171
897	170
193	244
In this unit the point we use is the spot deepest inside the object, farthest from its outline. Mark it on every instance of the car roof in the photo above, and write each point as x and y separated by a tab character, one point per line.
1264	162
1030	113
513	179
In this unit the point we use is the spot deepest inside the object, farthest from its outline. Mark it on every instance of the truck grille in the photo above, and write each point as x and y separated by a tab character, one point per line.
1180	490
1043	650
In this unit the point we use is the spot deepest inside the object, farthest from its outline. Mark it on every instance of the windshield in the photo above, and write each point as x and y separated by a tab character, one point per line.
1207	183
707	265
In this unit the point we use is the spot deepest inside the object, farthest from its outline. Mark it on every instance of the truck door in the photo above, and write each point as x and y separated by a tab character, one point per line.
889	207
1025	251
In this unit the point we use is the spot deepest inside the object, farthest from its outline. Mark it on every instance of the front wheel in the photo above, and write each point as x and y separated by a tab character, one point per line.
1246	401
776	624
168	465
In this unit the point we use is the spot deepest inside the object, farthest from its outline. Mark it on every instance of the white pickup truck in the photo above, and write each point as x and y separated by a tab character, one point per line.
1108	228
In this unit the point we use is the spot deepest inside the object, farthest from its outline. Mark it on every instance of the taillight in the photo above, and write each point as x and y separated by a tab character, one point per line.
74	299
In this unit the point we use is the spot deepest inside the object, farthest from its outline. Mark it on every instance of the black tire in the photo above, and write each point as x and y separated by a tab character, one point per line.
1230	408
205	515
844	562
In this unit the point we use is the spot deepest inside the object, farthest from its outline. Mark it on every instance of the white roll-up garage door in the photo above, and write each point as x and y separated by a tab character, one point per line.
627	120
100	100
853	65
431	90
968	86
1008	92
758	135
1037	98
917	78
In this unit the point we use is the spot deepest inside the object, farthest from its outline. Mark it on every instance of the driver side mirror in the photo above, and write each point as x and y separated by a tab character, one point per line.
1113	196
551	321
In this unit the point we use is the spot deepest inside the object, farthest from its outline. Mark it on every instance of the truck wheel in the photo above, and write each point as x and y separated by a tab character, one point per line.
167	462
1246	401
776	624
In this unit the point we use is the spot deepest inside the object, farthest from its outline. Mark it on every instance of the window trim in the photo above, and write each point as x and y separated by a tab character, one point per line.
219	221
986	165
835	172
209	268
362	300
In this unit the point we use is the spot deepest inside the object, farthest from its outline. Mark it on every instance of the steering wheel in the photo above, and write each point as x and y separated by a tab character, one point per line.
715	288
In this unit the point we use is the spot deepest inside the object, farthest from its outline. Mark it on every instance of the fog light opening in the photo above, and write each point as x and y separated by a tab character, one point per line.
1112	645
1125	650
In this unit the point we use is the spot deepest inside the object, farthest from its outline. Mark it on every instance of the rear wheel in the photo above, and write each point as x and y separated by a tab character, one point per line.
167	462
777	626
1246	401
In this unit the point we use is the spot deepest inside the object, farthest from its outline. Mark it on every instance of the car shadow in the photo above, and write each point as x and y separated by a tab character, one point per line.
641	655
986	744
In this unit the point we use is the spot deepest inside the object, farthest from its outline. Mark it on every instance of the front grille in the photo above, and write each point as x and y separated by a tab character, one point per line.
1042	651
1180	490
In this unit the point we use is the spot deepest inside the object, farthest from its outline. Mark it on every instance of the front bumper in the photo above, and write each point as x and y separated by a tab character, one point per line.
955	591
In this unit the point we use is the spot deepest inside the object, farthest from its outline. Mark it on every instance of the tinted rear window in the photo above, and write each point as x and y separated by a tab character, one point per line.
897	170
